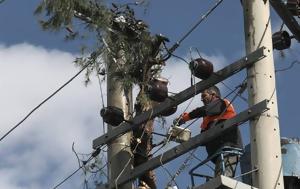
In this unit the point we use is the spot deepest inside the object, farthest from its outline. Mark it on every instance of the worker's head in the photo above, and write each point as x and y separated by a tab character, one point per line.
210	94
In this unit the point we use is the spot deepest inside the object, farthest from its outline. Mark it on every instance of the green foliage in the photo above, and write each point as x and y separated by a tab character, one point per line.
61	13
127	39
117	25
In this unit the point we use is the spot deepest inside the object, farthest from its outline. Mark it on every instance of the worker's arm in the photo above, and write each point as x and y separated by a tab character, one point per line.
214	108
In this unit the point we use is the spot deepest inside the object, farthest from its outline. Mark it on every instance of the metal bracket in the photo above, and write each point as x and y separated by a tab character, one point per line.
287	17
224	182
217	77
194	142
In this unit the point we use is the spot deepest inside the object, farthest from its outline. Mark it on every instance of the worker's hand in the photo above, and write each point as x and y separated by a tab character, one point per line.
178	121
182	119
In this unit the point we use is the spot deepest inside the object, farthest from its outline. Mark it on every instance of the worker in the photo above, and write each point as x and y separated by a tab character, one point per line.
214	111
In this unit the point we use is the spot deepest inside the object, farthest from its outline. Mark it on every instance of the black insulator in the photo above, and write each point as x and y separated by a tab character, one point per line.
169	111
112	115
281	40
157	89
201	68
293	6
291	182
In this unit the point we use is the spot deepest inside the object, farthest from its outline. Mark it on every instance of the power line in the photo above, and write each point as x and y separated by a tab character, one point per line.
289	67
67	178
242	87
102	100
94	154
132	155
203	17
44	101
182	167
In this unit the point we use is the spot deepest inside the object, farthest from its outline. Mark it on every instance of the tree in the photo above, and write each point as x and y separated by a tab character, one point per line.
121	35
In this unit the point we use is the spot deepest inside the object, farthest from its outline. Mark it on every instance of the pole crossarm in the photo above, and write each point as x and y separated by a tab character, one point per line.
188	93
287	17
195	141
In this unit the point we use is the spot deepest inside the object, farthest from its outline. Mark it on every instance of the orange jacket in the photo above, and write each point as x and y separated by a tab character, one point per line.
229	113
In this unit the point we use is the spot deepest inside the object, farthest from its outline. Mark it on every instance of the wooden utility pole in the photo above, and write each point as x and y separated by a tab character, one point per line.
264	130
119	151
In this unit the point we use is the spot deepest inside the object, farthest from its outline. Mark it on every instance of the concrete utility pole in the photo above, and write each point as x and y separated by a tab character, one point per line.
265	136
119	151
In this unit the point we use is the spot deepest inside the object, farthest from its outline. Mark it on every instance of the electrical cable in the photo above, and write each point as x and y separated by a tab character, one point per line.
239	95
60	183
44	101
94	154
169	138
102	99
193	80
242	88
233	91
127	163
203	17
172	54
132	155
246	173
182	167
180	58
207	165
73	149
289	67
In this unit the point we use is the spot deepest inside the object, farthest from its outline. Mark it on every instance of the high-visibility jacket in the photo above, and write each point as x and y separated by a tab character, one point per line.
229	113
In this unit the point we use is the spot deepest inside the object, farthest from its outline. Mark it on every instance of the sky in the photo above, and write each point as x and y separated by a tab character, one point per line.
35	63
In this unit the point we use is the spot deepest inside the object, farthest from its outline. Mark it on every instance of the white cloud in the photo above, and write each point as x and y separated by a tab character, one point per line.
41	147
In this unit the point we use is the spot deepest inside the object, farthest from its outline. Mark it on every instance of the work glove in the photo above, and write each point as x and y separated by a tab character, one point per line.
178	121
182	119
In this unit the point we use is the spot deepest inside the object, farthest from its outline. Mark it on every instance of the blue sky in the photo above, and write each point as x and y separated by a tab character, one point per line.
34	63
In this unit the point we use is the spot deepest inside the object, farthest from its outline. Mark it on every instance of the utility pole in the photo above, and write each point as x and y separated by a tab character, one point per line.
264	130
119	152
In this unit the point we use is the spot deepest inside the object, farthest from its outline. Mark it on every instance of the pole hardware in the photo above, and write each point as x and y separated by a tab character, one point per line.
184	95
287	16
112	115
194	142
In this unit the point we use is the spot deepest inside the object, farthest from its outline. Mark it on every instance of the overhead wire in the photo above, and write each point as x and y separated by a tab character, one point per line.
85	184
132	155
199	54
210	167
122	171
169	138
94	154
180	169
232	91
203	17
73	149
239	95
242	87
45	100
102	99
289	67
